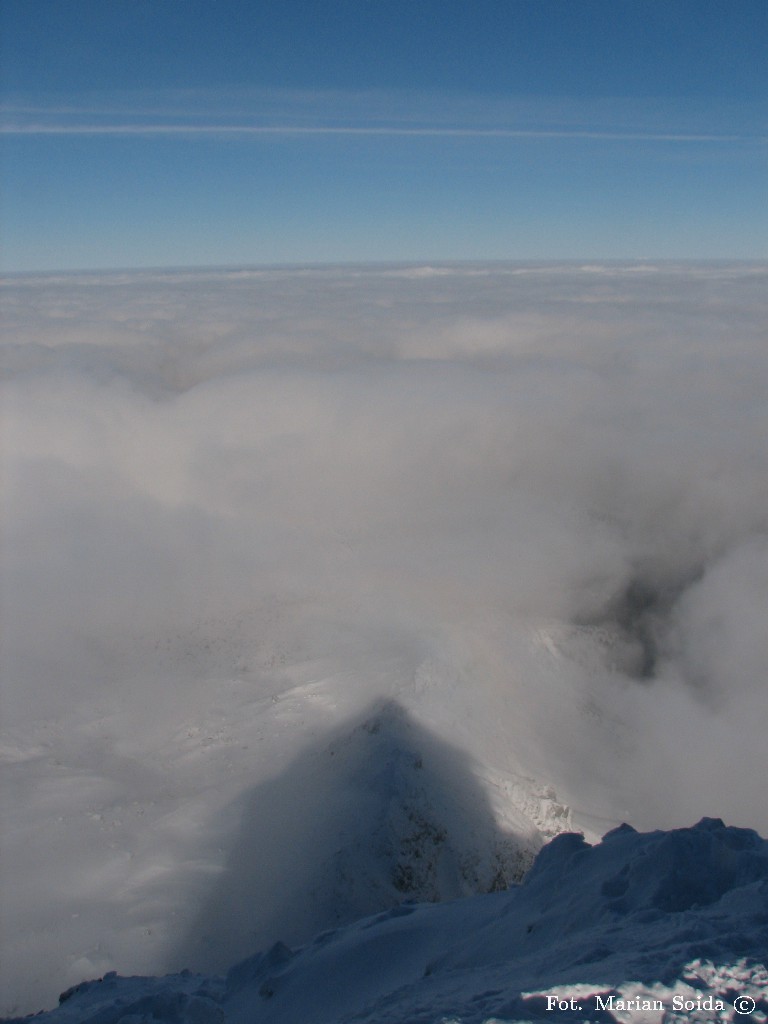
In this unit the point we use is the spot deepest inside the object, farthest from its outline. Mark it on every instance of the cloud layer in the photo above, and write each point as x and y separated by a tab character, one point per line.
528	503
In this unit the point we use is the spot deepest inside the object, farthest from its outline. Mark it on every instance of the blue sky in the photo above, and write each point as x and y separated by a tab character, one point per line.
208	132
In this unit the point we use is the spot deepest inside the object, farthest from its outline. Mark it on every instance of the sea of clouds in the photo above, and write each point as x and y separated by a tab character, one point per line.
527	503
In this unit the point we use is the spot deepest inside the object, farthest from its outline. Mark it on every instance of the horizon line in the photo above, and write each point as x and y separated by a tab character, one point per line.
574	262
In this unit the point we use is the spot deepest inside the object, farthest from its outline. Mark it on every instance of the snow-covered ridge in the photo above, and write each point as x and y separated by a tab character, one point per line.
379	812
655	927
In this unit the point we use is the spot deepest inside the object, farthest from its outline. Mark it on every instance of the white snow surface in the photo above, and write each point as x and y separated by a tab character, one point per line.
326	589
656	927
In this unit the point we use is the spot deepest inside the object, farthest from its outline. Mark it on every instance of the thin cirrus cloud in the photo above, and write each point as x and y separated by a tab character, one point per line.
258	113
373	130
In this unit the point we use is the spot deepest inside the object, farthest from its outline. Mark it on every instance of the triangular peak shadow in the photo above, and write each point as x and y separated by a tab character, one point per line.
379	812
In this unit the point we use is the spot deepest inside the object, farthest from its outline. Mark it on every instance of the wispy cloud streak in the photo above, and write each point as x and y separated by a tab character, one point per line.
377	130
384	113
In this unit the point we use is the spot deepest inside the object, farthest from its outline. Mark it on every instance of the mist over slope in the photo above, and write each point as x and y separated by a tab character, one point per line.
525	506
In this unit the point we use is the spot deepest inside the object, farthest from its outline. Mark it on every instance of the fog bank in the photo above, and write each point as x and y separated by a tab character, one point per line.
528	503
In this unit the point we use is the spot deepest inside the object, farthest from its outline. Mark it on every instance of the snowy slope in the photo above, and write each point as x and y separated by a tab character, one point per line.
662	926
